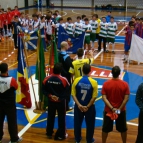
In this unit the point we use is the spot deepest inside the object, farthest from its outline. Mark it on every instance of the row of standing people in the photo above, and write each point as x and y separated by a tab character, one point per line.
115	94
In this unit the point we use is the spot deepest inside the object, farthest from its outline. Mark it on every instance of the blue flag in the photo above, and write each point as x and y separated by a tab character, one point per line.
73	42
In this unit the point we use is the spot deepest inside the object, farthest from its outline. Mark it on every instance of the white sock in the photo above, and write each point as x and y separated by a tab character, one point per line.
126	57
107	44
113	46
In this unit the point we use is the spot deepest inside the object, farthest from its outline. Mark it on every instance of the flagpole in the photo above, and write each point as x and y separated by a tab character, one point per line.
40	110
36	104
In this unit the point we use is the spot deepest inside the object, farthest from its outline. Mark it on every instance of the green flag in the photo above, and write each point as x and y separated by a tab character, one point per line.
41	72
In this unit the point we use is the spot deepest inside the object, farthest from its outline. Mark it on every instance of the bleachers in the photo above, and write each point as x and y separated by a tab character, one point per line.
89	3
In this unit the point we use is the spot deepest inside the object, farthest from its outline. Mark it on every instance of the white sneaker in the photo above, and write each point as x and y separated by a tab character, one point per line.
66	135
19	140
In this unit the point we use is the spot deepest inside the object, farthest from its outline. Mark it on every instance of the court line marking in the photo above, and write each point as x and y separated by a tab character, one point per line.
95	57
75	12
28	125
121	30
138	13
17	62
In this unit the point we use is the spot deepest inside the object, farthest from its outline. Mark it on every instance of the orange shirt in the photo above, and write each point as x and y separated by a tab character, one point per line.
115	91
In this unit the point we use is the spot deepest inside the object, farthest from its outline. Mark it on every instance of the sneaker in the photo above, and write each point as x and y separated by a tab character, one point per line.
93	141
18	141
106	51
66	135
113	52
125	61
60	138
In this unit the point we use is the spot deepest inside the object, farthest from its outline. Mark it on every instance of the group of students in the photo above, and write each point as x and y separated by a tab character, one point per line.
94	29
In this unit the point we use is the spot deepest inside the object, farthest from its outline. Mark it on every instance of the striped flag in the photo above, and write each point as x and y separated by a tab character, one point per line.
53	57
23	92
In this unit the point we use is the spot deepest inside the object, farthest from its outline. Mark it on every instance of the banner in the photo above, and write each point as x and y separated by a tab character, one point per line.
31	39
73	42
23	92
136	51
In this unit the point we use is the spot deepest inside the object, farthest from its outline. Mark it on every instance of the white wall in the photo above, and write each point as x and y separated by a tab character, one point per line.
21	3
30	2
8	3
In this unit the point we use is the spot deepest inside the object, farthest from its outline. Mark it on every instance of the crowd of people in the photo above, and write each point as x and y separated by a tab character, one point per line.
60	85
96	29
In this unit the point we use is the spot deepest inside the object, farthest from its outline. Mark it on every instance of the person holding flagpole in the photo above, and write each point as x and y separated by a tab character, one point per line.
8	85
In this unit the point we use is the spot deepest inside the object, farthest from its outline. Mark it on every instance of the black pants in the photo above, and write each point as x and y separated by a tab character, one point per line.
5	29
10	113
99	43
15	41
140	128
89	120
52	107
1	31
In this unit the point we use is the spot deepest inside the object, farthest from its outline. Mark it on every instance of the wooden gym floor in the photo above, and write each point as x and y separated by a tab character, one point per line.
37	135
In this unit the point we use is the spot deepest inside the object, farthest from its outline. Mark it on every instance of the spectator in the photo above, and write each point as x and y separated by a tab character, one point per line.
8	85
55	87
115	94
139	102
108	17
84	92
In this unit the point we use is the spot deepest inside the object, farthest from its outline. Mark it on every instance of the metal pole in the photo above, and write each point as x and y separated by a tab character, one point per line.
92	4
61	3
126	5
17	3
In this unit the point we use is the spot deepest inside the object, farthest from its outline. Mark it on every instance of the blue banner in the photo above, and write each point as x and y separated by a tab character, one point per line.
73	42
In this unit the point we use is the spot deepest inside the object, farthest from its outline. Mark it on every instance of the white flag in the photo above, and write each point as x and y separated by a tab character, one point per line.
136	51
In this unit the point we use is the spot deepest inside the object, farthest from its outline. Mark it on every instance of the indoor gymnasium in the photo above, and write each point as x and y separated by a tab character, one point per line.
106	34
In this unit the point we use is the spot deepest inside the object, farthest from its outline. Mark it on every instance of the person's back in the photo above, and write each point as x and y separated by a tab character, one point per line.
84	93
78	64
84	89
8	86
56	85
115	91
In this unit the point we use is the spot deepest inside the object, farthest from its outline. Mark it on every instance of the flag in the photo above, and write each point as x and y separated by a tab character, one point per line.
136	51
73	42
53	57
31	40
40	69
23	92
